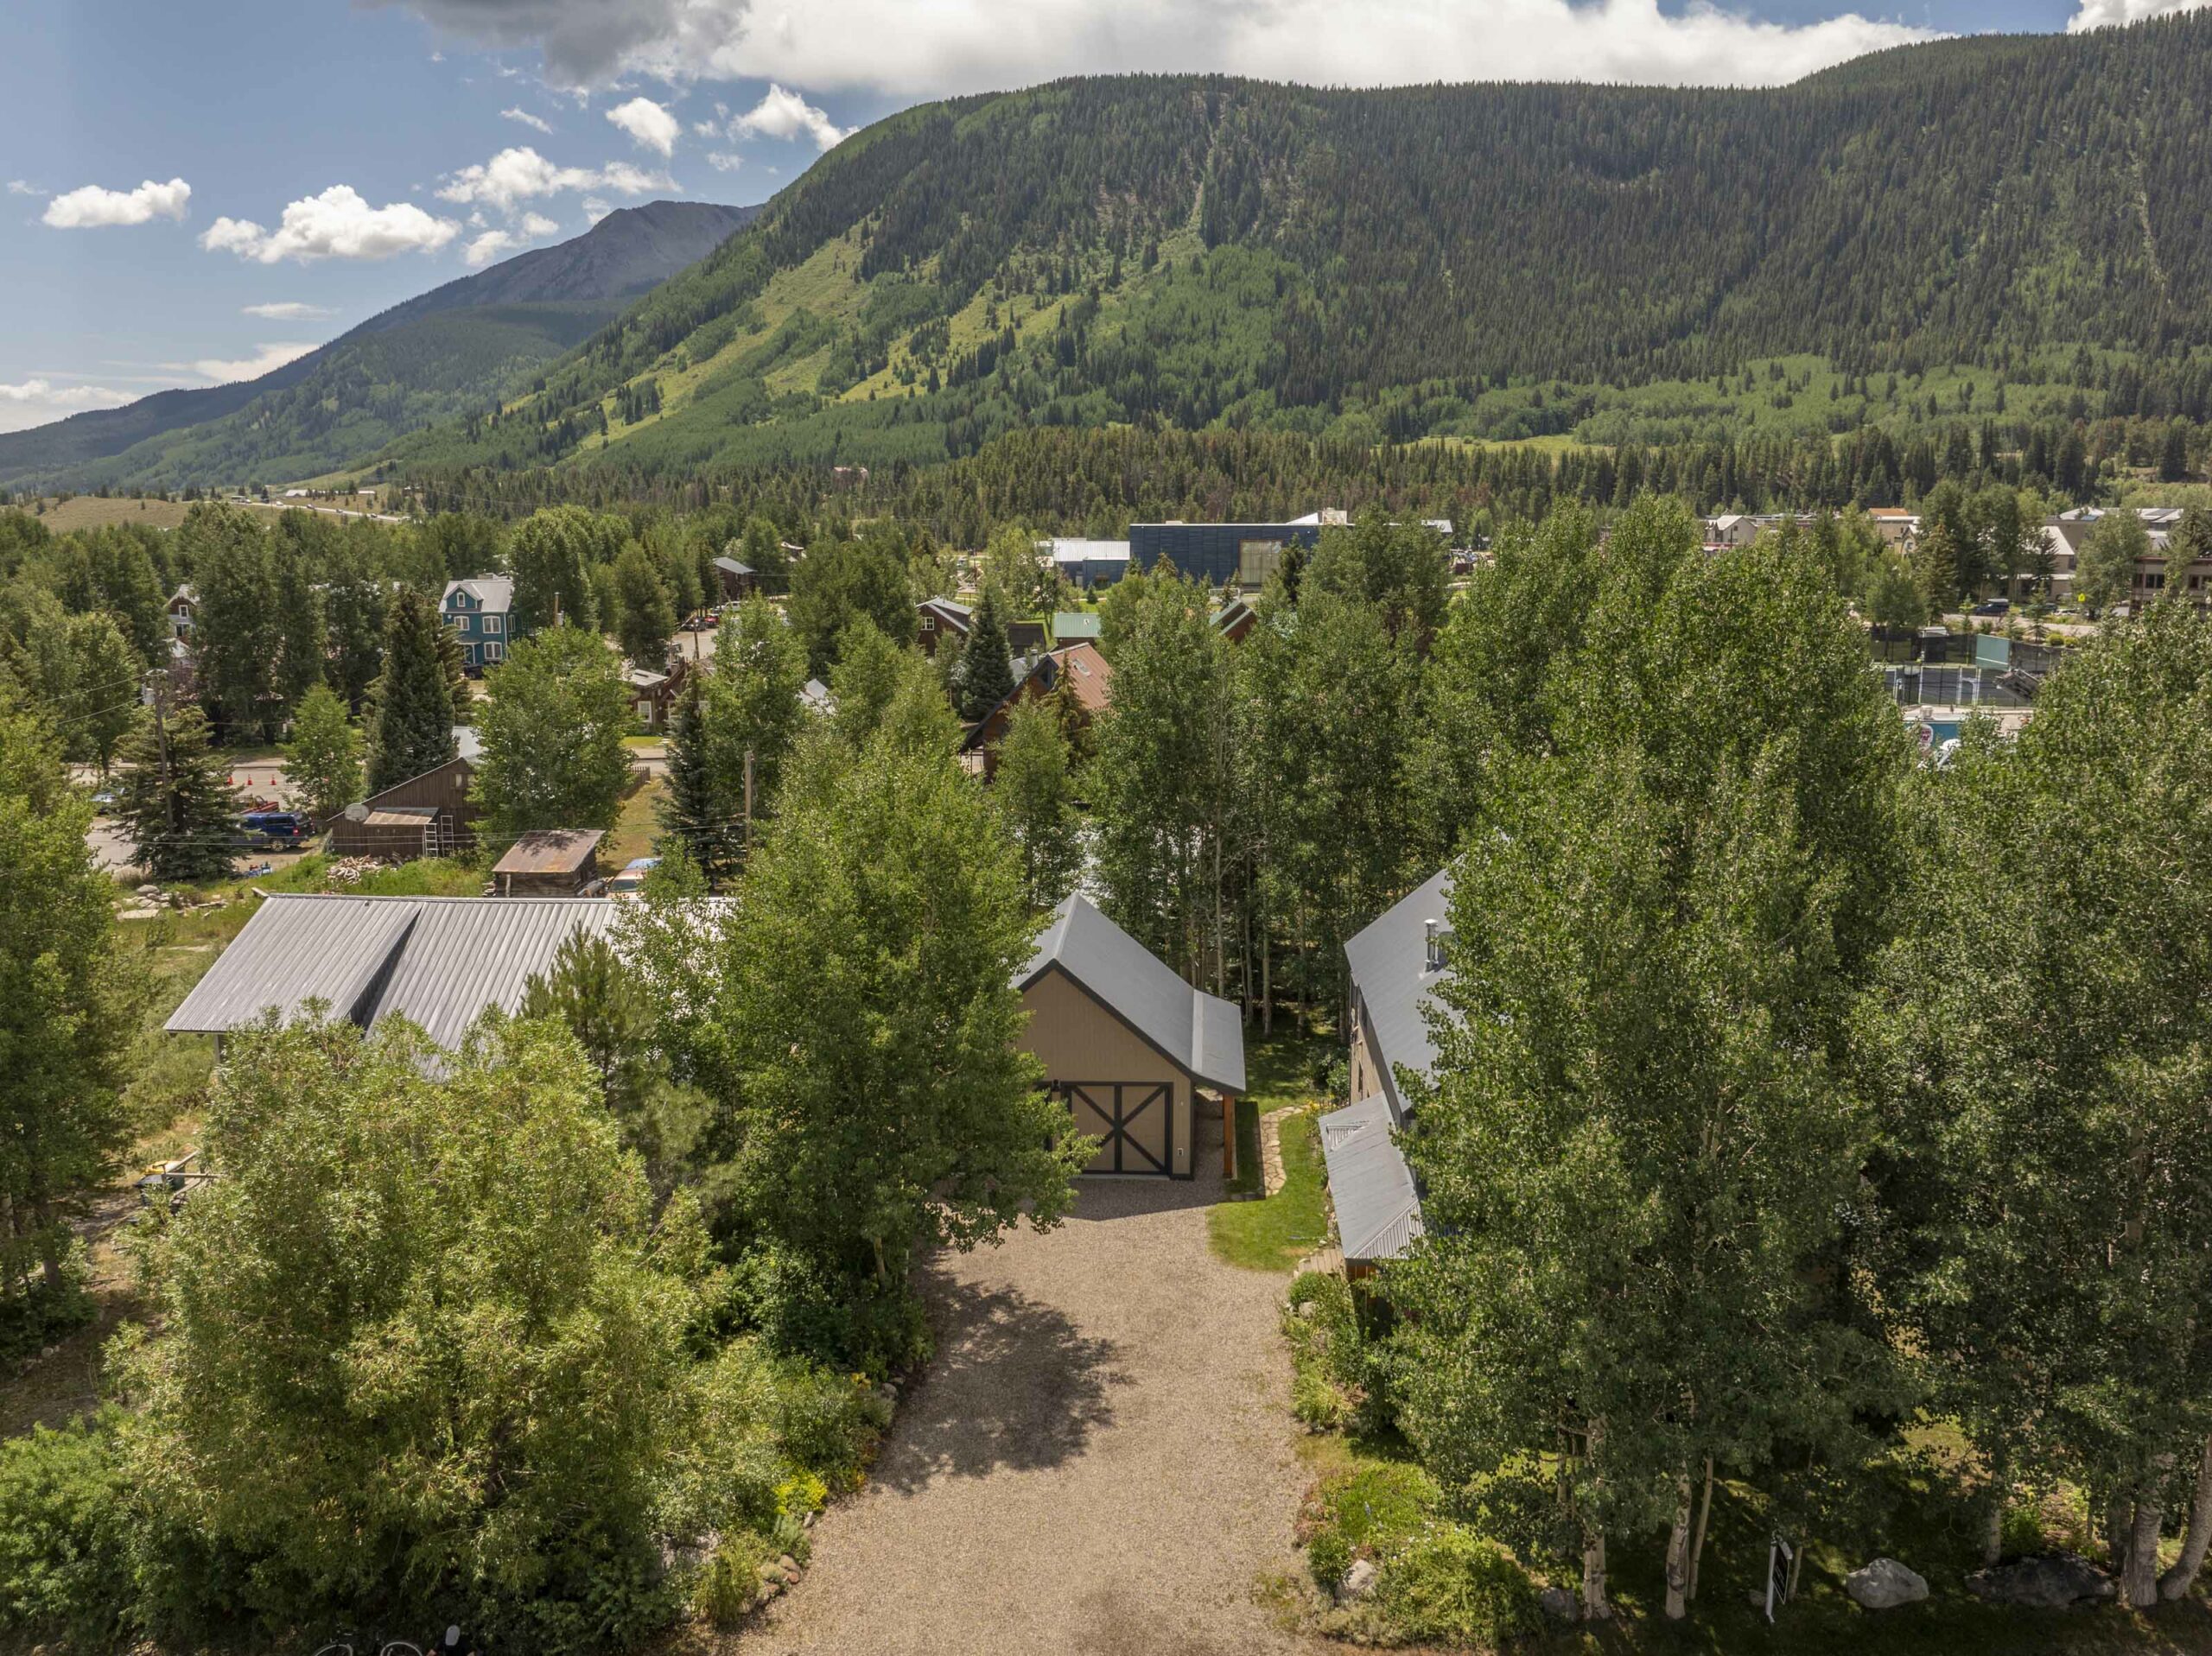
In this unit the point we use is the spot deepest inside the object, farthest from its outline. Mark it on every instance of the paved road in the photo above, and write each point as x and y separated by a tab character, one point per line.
1098	1463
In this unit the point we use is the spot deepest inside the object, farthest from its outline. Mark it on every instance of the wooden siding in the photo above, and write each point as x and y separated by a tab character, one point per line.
1080	1040
445	790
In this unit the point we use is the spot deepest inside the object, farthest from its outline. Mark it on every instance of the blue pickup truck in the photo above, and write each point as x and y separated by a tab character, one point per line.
273	830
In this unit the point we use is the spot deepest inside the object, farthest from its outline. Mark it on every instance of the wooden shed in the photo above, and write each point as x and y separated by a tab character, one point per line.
429	815
549	862
1144	1061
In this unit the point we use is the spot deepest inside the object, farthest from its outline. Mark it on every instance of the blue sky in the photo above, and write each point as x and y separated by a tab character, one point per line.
189	193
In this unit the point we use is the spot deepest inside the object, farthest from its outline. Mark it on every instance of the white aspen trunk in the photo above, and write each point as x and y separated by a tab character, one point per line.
2179	1579
1993	1525
1678	1552
2139	1578
1595	1605
1704	1518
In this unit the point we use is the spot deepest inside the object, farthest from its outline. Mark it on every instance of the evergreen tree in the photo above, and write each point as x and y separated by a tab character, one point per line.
1032	791
66	1016
176	797
646	618
986	663
552	729
235	640
302	641
323	759
410	717
2173	454
697	813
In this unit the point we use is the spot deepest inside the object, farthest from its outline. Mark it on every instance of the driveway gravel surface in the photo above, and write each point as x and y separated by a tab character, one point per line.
1098	1462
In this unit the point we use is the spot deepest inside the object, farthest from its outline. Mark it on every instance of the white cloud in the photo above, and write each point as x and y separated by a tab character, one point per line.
93	207
527	119
595	209
335	225
781	114
2114	14
519	175
482	249
722	162
39	402
267	360
287	310
536	224
980	45
18	187
650	126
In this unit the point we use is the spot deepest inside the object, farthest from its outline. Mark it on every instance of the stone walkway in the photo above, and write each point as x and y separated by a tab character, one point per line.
1098	1462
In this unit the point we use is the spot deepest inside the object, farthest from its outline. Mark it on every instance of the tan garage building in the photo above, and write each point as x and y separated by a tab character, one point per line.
1130	1045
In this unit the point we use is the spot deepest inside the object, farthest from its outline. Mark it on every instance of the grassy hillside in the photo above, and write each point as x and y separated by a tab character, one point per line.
1980	228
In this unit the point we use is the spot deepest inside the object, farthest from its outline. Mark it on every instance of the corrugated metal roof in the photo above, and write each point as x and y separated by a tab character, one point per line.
1390	969
492	593
400	816
1204	1036
439	961
734	566
550	851
1378	1211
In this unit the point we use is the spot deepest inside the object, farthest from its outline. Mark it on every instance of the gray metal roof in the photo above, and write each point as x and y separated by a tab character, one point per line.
1203	1035
734	566
439	961
1378	1211
493	593
1389	969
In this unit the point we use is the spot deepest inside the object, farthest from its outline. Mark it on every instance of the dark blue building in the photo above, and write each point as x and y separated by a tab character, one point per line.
1236	555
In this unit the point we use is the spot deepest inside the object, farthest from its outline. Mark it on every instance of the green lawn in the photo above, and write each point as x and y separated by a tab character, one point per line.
1275	1232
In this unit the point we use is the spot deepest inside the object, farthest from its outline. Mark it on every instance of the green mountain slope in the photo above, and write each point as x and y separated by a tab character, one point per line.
437	354
1973	226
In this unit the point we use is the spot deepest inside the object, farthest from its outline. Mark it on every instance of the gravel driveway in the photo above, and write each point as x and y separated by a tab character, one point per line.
1098	1462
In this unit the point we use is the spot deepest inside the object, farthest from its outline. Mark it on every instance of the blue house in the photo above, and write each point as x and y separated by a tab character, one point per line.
476	609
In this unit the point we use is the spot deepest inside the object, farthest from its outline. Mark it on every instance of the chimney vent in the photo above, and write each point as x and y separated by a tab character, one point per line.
1433	948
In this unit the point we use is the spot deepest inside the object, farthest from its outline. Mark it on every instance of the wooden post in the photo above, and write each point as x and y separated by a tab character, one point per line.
1227	1136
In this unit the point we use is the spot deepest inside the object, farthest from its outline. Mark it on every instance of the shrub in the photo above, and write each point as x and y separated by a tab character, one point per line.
1317	1403
1450	1585
65	1567
1328	1556
804	1306
729	1581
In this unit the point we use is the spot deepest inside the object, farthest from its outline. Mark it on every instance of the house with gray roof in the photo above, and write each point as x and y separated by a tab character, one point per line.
1147	1065
477	610
439	961
1398	962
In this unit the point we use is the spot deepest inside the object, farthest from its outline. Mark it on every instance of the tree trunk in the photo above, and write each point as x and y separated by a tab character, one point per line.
2119	1520
1704	1517
1595	1606
2139	1578
1678	1550
2178	1580
1993	1525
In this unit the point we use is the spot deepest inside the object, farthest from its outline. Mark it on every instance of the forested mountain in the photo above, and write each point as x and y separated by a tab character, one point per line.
446	351
1982	228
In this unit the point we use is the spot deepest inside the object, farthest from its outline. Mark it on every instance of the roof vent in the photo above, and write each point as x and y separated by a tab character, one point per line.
1432	946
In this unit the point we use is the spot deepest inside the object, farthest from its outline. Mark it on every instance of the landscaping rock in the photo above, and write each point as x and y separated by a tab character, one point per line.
149	891
1358	1583
1558	1604
1884	1584
2051	1580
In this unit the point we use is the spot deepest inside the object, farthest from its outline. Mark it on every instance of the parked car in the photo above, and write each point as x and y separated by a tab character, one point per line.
104	802
632	880
279	830
1993	606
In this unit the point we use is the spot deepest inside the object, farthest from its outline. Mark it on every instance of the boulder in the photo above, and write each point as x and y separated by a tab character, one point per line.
2050	1580
1884	1584
1358	1583
1558	1604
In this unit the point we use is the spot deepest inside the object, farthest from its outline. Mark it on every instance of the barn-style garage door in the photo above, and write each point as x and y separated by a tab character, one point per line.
1135	1120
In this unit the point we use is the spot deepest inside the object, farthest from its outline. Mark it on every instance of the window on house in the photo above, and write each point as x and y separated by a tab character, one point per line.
492	652
1256	561
492	624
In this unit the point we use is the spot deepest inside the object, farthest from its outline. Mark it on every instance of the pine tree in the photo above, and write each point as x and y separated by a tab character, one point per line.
696	813
986	663
181	807
323	759
410	717
647	618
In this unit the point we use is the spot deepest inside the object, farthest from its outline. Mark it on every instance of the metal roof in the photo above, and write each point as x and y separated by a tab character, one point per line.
1202	1035
439	961
1068	624
550	851
1069	549
1389	970
495	592
1378	1211
400	816
734	566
